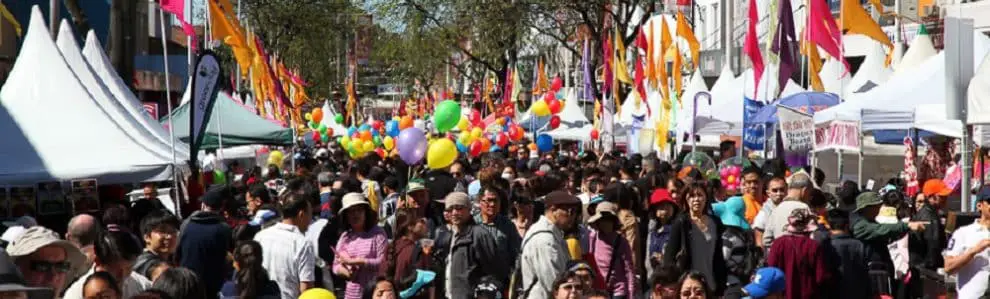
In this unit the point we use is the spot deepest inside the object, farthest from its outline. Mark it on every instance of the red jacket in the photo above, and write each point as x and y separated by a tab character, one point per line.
803	262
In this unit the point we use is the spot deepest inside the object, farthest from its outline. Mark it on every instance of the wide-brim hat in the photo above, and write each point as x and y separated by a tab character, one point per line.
38	237
605	209
867	199
351	200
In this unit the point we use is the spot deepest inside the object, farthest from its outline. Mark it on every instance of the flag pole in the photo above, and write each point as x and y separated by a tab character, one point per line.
168	98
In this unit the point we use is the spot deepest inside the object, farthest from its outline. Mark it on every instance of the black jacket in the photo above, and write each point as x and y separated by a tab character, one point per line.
926	246
680	240
473	255
848	258
204	240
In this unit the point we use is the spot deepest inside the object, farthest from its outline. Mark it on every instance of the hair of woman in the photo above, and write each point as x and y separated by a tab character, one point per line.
369	289
251	275
116	245
180	283
697	276
105	276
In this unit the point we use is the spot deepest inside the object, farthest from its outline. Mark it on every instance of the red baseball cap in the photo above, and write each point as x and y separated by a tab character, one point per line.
661	196
936	187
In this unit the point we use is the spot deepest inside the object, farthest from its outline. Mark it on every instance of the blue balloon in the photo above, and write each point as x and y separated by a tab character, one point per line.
461	147
494	148
364	127
392	128
351	131
544	142
374	133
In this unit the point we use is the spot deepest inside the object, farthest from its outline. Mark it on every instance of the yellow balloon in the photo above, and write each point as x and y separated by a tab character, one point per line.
308	116
388	143
368	146
344	141
277	156
441	153
540	108
273	161
463	124
465	138
475	133
317	294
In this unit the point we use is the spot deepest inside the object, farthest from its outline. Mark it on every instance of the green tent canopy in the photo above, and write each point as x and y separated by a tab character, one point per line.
240	126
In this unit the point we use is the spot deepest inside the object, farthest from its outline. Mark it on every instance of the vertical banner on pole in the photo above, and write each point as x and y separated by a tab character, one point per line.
754	134
205	86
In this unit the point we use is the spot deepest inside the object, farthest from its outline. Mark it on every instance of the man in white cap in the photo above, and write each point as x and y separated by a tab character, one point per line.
470	250
44	259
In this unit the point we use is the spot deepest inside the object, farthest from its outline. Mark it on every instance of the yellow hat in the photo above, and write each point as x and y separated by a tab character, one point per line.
317	294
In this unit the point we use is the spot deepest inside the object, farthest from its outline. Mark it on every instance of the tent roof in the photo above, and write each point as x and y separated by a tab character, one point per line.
978	94
135	113
873	69
55	131
727	102
830	75
684	116
921	49
240	126
328	120
895	104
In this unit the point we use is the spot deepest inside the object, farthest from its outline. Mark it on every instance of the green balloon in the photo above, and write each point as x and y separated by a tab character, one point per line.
426	116
324	138
377	140
313	125
448	114
339	119
323	129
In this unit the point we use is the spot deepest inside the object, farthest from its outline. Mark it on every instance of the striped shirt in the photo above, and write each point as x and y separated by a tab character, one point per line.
288	257
369	245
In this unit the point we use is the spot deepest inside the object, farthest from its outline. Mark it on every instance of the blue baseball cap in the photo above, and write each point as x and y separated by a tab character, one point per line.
766	281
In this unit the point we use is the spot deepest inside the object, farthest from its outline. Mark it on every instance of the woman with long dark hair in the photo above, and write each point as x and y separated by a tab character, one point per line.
695	242
405	256
115	252
250	278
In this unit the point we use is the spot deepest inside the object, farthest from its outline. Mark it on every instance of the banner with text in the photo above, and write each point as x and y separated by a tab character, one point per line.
754	134
839	134
797	130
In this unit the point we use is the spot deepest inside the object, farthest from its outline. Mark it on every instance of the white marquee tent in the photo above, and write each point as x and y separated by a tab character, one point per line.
328	120
100	65
53	128
873	72
914	99
834	76
574	126
726	116
919	52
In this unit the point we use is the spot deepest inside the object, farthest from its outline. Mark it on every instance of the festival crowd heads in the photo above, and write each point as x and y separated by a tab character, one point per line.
509	223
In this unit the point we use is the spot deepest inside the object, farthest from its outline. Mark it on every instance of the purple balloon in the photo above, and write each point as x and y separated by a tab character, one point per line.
411	145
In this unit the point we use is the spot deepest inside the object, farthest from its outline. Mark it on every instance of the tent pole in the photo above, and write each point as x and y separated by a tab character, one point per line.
168	103
838	175
859	170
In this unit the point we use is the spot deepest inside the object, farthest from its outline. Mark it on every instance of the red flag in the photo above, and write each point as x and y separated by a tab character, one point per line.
825	33
752	46
638	81
641	39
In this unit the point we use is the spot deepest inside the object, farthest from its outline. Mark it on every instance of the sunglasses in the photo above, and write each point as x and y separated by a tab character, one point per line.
50	267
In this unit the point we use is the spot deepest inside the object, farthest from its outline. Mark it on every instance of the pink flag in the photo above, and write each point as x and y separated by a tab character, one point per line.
178	8
825	32
752	47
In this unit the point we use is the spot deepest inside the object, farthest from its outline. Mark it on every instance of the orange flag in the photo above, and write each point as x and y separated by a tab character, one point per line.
855	20
684	30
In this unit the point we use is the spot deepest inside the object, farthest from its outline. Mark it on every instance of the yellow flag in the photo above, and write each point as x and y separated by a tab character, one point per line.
650	71
676	72
9	17
810	50
855	20
621	70
684	30
227	30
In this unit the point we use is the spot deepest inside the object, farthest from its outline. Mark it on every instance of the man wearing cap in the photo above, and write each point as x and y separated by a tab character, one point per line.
768	283
925	247
878	235
13	285
44	259
203	240
799	190
544	254
967	256
472	253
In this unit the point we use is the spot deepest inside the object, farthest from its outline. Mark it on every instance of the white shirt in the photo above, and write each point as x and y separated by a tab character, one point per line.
777	223
134	284
971	279
288	257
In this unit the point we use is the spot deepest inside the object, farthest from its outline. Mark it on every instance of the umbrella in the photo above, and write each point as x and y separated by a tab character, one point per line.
807	102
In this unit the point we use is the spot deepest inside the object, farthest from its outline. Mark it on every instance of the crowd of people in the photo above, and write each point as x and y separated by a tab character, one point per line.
507	225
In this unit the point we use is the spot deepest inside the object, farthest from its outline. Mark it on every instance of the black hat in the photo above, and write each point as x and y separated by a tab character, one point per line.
216	196
559	198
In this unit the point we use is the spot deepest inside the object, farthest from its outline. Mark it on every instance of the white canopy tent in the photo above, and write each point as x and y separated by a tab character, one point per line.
914	99
105	73
873	72
574	126
54	130
67	45
726	116
834	76
328	120
919	52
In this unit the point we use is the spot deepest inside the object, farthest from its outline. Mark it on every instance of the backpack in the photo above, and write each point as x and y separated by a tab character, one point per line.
744	256
516	288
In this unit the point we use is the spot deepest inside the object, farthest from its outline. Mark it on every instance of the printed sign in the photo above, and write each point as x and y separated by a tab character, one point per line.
85	197
51	198
22	201
754	134
797	130
205	86
842	135
151	108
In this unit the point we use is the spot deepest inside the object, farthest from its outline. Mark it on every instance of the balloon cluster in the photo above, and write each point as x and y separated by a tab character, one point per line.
551	103
730	173
368	138
320	133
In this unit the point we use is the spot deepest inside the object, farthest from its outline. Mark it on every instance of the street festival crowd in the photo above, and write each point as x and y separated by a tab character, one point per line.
509	224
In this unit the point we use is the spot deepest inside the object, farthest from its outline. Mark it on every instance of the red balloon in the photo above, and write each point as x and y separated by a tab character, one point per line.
356	136
329	131
554	106
475	117
557	84
594	134
377	125
485	145
380	152
475	148
316	136
515	132
554	122
502	139
550	96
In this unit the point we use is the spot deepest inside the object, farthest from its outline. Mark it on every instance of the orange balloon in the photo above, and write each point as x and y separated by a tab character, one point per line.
366	135
317	115
405	122
513	148
532	146
486	145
